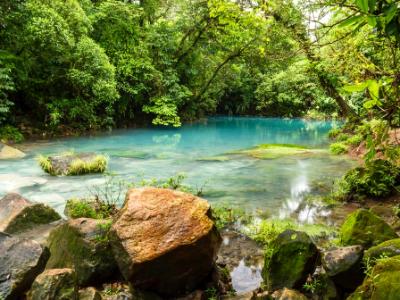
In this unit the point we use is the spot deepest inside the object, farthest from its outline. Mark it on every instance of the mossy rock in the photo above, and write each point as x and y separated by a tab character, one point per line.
388	248
18	214
363	227
383	282
274	151
289	260
82	244
57	284
71	164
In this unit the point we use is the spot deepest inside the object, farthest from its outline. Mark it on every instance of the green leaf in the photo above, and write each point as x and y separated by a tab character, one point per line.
373	88
390	12
372	21
351	21
363	5
372	4
356	87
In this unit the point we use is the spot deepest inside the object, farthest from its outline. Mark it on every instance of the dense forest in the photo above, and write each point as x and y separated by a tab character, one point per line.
69	66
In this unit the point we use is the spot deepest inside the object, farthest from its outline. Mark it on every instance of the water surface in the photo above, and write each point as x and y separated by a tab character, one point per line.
275	185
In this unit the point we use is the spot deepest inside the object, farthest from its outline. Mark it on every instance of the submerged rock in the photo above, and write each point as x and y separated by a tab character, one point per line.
73	164
344	266
363	227
289	260
89	293
82	244
53	284
382	283
274	151
387	249
8	152
18	214
164	240
21	260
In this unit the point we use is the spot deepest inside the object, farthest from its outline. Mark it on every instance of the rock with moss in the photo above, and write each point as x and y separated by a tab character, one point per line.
382	282
73	164
344	266
80	208
52	284
274	151
287	294
289	260
386	249
8	152
82	244
89	293
164	240
21	260
365	228
18	214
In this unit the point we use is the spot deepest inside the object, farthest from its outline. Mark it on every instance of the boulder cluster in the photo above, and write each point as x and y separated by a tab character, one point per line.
162	244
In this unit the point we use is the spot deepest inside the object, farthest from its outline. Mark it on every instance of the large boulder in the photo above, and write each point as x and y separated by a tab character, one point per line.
388	249
54	284
7	152
383	282
18	214
289	260
363	227
344	266
164	240
21	260
82	244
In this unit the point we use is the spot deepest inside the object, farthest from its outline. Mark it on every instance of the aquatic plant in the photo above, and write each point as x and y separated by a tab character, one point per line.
267	230
80	166
45	164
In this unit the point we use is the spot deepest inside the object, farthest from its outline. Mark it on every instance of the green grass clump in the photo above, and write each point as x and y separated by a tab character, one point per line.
267	230
45	164
355	140
10	134
79	166
338	148
78	208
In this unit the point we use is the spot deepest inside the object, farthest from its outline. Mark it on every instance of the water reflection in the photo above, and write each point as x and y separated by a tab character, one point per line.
246	278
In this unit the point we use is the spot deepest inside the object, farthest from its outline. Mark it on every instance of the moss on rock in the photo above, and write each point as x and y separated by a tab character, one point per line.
382	284
387	249
289	259
363	227
273	151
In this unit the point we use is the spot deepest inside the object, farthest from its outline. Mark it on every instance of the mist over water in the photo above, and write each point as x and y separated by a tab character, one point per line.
275	185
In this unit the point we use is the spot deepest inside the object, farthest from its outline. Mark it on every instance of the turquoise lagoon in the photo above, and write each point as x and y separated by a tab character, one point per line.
199	151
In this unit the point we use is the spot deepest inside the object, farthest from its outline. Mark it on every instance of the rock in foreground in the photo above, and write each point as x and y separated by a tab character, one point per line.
73	164
383	282
290	258
82	244
21	260
18	214
164	240
54	284
363	227
344	266
386	249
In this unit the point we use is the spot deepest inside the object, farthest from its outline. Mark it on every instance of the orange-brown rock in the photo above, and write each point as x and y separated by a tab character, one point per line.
164	240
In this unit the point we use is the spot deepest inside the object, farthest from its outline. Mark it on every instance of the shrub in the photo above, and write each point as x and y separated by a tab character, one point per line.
334	132
225	216
10	134
342	137
355	140
78	208
377	179
338	148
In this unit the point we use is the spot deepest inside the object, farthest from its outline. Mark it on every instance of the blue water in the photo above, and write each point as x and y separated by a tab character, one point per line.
269	185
